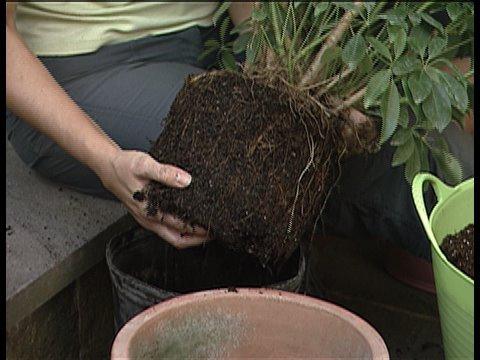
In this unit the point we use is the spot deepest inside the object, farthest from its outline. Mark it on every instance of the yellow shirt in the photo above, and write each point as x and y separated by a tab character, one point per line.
71	28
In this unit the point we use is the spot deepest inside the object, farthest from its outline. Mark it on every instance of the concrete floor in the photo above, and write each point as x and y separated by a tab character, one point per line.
349	272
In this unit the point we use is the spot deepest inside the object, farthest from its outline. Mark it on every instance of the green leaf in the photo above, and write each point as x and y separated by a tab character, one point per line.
223	29
456	91
449	167
458	117
228	61
415	19
398	37
332	55
420	86
320	7
413	165
220	11
390	112
417	111
436	142
436	46
403	152
470	92
454	10
369	5
364	68
241	42
418	39
259	14
354	51
379	47
433	73
377	85
395	16
406	64
437	107
401	136
430	20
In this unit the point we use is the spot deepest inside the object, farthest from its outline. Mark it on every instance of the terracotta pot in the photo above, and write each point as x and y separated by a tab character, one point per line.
247	323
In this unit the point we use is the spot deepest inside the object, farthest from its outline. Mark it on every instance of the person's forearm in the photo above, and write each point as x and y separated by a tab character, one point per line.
35	97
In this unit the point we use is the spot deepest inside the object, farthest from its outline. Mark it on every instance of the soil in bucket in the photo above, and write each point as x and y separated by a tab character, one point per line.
146	270
262	158
459	250
202	268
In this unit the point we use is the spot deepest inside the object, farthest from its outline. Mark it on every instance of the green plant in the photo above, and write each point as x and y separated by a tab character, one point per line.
387	60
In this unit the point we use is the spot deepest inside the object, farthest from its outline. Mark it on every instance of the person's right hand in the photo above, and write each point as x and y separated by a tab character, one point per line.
128	172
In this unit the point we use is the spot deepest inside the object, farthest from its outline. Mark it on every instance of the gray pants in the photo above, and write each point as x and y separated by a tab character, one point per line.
128	89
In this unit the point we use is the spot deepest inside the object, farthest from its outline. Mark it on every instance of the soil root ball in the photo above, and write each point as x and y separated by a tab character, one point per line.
260	156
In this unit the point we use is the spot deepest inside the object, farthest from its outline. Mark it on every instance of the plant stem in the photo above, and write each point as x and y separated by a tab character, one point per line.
333	38
352	100
340	76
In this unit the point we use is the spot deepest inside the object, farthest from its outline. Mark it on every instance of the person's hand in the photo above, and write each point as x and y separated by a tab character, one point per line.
128	172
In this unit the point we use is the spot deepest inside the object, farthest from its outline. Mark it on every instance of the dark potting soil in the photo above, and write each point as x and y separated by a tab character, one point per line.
211	266
260	160
459	250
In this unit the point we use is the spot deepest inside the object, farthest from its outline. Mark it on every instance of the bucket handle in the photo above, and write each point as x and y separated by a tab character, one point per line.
442	191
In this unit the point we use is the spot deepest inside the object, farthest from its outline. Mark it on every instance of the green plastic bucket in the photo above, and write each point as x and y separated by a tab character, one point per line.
453	212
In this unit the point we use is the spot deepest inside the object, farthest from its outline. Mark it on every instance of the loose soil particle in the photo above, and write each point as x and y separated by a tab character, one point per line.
260	158
459	250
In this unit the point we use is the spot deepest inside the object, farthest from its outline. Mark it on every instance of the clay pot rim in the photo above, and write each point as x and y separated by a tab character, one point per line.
124	338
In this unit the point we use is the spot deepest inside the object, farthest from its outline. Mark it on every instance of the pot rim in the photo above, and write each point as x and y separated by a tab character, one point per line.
124	338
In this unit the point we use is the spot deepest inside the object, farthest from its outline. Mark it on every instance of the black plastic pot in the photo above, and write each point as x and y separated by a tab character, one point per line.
145	270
